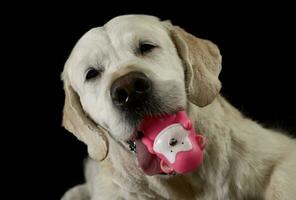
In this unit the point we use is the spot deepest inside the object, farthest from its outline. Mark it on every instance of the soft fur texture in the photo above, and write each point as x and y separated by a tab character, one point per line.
243	160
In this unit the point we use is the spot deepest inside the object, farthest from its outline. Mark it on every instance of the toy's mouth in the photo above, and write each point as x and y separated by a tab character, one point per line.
149	163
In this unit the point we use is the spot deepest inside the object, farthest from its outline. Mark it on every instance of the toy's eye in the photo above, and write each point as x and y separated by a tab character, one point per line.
173	142
182	142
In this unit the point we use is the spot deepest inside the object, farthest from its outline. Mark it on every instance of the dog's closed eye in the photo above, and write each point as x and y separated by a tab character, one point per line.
146	47
92	73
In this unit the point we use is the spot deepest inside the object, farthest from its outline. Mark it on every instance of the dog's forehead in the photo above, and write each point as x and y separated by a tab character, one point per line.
91	40
88	47
131	20
130	25
116	29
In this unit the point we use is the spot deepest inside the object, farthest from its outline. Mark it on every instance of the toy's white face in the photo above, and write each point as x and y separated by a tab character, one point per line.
171	140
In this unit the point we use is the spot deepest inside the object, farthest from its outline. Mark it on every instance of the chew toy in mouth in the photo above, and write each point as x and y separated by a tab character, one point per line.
169	145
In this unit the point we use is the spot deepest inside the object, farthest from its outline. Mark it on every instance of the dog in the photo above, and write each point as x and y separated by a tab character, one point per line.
137	65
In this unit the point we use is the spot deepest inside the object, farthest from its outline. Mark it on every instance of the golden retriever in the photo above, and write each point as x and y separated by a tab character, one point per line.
242	160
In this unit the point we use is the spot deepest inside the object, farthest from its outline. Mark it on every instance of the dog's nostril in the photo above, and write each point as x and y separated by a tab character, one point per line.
121	96
141	85
130	90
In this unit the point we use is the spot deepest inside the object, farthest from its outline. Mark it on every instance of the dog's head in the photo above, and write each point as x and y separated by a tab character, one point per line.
133	66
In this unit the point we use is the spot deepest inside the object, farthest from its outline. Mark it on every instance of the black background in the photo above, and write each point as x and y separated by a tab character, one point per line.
257	43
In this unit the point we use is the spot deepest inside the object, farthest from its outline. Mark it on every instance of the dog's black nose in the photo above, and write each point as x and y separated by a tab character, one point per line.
131	89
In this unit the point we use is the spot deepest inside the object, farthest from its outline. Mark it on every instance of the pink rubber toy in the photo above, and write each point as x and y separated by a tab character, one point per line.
174	141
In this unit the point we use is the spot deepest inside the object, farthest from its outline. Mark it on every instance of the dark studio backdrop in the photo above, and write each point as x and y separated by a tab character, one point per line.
258	75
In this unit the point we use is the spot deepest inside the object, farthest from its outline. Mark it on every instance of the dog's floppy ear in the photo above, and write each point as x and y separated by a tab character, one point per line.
202	62
76	121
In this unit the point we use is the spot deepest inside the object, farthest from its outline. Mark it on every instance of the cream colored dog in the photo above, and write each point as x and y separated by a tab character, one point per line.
243	160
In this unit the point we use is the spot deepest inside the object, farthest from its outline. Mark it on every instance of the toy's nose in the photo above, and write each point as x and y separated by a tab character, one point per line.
173	142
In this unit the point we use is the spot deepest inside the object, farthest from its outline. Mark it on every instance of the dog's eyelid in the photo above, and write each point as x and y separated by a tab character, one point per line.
147	42
146	46
92	72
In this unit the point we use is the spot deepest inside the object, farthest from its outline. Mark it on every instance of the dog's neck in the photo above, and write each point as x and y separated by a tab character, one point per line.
215	122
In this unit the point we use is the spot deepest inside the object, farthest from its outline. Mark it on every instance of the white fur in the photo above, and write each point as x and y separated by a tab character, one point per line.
243	160
112	48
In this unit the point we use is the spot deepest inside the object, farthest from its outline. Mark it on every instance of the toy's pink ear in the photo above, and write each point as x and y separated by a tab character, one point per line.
165	168
184	120
202	141
188	125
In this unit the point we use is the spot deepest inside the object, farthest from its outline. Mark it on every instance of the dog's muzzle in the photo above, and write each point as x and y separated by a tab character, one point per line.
131	90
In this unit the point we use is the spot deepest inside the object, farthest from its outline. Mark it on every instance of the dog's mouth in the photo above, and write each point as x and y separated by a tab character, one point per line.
149	163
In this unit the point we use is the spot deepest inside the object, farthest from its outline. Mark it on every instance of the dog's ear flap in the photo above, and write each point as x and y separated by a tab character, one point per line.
202	62
76	121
